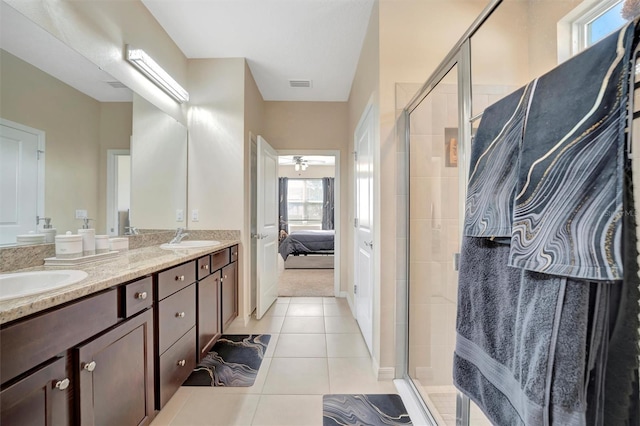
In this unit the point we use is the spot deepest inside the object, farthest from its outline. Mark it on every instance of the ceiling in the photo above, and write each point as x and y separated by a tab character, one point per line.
316	40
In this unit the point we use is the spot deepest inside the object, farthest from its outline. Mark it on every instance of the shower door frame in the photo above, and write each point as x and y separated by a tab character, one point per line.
459	56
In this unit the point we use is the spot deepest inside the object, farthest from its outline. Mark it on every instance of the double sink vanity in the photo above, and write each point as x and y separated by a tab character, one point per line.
114	346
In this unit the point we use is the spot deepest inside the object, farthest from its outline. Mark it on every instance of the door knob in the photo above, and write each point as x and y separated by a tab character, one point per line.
369	244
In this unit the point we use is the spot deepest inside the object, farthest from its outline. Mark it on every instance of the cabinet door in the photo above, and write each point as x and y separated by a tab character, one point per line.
229	294
41	398
115	375
209	321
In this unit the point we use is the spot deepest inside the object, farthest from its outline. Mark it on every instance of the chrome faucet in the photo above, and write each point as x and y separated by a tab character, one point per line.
180	235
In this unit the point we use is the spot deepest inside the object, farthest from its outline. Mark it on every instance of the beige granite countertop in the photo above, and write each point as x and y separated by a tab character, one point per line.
127	266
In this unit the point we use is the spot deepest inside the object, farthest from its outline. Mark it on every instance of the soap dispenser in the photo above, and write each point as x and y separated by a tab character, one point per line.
48	230
88	238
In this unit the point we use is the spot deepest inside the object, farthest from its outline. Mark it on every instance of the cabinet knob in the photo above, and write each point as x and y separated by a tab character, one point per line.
235	253
141	296
62	384
180	278
225	277
182	362
179	314
205	267
89	366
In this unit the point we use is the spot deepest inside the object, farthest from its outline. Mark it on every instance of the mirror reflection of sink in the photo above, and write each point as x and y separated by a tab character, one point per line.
27	283
190	244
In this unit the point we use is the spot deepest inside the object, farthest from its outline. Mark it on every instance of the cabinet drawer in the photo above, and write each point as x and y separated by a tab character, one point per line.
175	279
219	259
234	254
138	296
176	364
204	266
38	339
176	315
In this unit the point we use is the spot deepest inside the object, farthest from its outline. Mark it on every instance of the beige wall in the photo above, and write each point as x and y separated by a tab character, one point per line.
71	122
158	168
309	127
217	152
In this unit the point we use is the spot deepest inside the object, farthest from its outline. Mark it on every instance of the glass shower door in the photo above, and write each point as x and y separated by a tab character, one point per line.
434	240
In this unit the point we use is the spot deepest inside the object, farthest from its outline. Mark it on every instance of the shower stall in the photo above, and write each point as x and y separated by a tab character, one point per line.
509	44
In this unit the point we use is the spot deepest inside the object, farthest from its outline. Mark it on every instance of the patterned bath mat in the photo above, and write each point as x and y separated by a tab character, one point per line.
370	410
233	362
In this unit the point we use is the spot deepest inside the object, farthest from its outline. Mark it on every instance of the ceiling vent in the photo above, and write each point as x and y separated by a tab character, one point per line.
116	85
296	84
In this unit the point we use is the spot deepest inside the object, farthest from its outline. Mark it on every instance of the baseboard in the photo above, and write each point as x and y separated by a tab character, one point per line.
382	373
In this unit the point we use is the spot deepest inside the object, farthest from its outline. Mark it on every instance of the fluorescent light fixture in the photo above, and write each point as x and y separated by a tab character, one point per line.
154	72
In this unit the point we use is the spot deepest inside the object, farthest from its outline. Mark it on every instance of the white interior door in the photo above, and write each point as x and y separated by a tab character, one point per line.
267	228
21	180
364	226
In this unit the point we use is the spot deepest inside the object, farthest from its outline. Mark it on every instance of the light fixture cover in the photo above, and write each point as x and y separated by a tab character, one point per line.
155	73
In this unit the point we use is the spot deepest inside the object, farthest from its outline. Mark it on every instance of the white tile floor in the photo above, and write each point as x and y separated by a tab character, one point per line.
316	348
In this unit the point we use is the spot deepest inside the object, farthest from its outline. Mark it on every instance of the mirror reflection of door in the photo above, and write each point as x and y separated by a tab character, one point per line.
21	180
118	191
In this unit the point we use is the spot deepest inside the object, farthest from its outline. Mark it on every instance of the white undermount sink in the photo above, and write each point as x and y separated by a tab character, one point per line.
190	244
28	283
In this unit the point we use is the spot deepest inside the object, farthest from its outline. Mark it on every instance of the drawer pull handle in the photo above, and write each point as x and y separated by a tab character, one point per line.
180	278
179	314
90	366
62	384
182	363
142	295
205	267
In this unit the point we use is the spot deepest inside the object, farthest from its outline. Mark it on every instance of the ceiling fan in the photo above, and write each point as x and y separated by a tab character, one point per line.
300	163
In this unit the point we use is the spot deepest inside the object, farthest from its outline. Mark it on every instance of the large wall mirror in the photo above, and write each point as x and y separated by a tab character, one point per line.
91	135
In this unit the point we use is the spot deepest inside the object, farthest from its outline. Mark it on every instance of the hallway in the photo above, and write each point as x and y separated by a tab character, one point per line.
316	348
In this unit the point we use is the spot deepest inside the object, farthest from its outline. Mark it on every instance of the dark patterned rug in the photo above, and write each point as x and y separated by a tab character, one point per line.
370	410
233	361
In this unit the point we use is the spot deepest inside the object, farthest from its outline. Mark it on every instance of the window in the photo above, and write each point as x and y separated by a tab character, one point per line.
604	24
304	199
587	24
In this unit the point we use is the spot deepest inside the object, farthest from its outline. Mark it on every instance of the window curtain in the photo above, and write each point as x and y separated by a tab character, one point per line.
283	184
327	204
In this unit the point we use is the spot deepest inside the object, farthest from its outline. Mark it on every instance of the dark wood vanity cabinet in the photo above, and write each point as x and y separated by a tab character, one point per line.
114	373
209	318
74	364
176	331
114	357
42	398
229	303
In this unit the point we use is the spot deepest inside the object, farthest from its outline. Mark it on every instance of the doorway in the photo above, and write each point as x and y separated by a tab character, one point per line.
22	177
118	191
309	224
